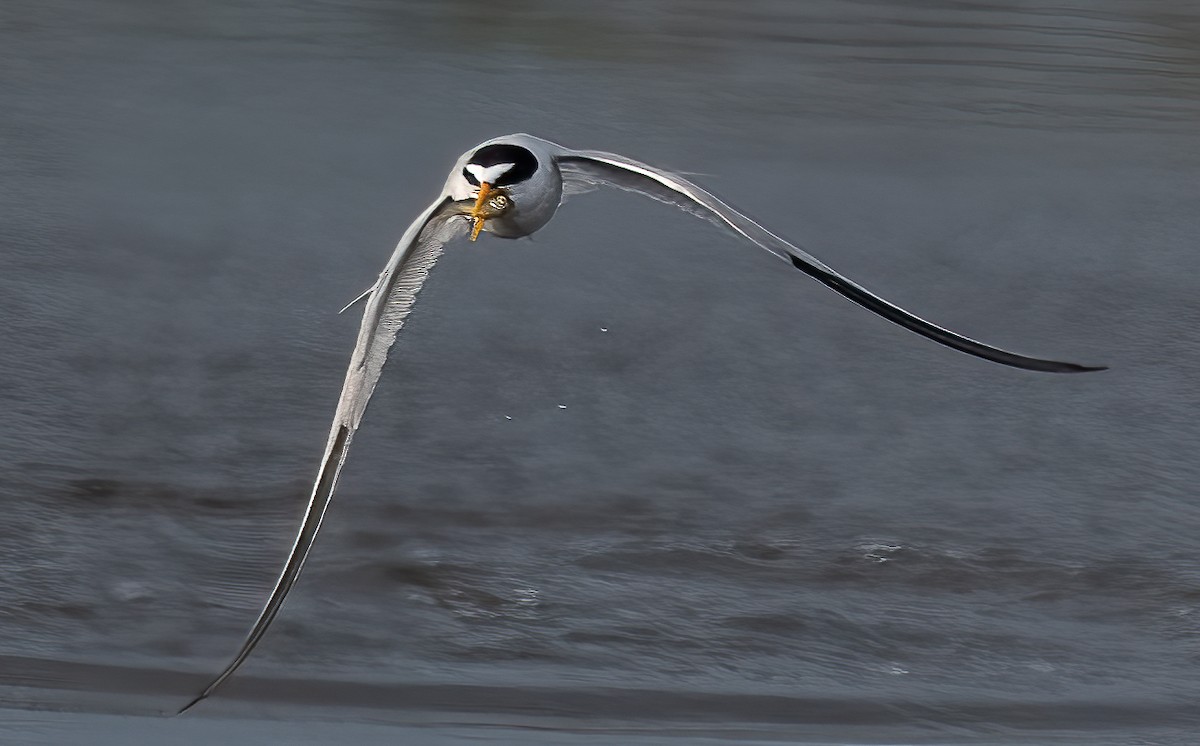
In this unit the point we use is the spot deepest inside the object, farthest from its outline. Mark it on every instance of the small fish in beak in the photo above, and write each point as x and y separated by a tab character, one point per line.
490	203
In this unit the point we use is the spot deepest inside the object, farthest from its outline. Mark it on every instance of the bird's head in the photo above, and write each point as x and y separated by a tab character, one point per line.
492	172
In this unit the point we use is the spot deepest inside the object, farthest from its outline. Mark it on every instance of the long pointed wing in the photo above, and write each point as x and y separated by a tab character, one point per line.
391	300
583	167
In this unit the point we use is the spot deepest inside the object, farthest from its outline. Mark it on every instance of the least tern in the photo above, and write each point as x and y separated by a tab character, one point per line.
510	187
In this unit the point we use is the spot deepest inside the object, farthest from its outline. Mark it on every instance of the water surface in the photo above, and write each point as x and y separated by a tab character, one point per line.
628	481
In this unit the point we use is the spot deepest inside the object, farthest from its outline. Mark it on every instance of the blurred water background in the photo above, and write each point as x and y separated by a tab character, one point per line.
763	515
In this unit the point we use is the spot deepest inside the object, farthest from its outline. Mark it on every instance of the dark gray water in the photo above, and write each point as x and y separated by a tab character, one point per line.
763	514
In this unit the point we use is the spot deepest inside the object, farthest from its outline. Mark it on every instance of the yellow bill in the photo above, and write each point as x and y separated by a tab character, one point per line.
477	213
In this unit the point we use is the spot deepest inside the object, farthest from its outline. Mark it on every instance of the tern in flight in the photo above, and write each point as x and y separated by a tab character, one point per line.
512	186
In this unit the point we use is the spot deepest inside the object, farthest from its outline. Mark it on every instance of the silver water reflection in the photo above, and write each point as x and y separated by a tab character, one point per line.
753	492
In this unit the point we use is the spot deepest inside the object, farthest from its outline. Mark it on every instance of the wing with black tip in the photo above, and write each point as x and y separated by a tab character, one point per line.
388	305
582	168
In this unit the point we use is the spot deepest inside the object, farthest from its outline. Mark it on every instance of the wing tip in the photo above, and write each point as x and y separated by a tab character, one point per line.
203	696
1075	368
1045	366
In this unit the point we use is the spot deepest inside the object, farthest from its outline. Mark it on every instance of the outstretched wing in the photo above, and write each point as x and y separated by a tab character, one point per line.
581	168
390	301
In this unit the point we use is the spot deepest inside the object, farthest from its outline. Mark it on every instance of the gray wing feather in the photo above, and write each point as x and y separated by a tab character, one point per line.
390	302
582	168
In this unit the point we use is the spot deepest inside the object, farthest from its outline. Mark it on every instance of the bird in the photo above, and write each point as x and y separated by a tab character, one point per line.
510	187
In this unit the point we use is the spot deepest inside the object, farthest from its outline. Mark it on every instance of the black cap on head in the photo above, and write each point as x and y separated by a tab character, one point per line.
524	163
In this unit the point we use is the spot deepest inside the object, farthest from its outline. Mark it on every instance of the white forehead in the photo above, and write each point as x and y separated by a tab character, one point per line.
488	173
